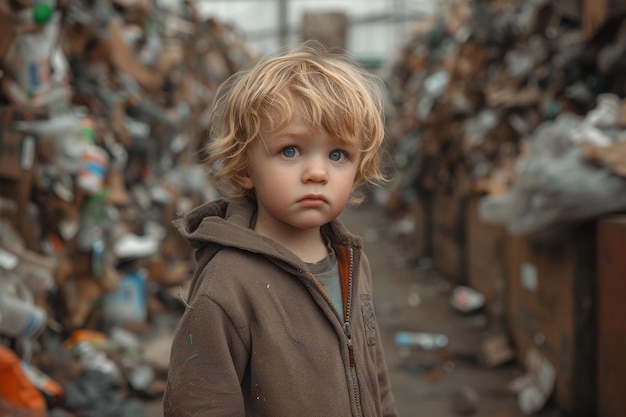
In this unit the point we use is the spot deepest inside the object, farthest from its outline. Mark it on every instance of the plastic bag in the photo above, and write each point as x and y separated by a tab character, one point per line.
554	184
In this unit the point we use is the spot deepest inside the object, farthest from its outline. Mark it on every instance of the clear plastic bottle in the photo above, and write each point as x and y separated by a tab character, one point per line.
426	341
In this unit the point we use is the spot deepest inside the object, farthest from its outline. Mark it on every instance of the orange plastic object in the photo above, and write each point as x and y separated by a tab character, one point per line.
16	389
85	335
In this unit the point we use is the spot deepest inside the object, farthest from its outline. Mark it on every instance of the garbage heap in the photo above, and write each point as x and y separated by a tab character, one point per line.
473	88
508	123
102	116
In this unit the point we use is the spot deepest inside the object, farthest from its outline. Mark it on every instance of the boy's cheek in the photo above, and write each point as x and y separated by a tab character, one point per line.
357	181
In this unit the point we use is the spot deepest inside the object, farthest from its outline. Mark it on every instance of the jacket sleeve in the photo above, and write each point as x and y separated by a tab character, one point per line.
207	364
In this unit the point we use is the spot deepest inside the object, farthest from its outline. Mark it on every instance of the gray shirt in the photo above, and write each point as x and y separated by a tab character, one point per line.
327	273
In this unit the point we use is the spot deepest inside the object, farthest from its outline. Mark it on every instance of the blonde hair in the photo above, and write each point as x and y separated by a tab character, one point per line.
333	93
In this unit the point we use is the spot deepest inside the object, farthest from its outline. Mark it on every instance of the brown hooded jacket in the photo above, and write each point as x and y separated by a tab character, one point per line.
260	336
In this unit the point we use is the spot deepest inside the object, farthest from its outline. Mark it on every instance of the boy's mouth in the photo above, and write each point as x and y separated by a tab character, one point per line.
313	200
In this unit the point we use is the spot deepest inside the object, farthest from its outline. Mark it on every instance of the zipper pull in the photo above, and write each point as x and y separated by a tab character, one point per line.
347	329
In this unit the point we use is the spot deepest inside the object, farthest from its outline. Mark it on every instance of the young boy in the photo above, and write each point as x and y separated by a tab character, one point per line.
279	319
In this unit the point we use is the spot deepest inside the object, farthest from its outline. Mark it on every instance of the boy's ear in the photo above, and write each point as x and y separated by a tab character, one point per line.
244	181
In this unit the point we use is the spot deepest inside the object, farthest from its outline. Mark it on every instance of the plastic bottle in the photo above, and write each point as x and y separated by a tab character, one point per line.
19	318
93	221
426	341
95	160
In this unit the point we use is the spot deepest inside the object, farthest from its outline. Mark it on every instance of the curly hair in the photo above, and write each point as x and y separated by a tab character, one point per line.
333	92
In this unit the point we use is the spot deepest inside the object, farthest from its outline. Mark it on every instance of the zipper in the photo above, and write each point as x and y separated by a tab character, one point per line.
347	326
347	329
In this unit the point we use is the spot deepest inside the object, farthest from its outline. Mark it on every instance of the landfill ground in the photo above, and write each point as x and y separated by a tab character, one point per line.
409	296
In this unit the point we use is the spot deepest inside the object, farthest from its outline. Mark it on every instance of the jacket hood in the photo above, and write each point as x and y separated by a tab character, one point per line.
221	223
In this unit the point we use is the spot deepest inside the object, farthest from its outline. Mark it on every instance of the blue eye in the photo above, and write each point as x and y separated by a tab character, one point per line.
289	152
337	156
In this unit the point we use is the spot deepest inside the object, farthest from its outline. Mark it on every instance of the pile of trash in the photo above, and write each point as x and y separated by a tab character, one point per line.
514	113
103	110
574	170
518	102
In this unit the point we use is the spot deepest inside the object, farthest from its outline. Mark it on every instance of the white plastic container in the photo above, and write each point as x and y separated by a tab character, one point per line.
21	319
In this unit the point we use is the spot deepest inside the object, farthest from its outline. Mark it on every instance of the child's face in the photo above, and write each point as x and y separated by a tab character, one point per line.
301	179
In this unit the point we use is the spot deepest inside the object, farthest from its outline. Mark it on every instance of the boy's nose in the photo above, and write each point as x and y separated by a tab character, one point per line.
315	171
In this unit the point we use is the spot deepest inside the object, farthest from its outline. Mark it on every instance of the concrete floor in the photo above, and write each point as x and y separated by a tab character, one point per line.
427	383
411	298
442	383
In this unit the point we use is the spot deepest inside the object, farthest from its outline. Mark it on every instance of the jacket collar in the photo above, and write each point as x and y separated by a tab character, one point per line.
222	223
